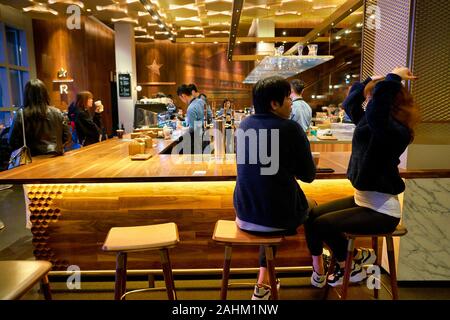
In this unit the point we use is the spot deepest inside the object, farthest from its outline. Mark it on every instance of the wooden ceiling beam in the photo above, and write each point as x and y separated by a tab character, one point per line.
341	13
248	39
235	18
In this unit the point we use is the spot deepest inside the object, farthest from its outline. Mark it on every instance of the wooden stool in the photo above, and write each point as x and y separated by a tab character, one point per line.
137	239
398	232
227	233
17	277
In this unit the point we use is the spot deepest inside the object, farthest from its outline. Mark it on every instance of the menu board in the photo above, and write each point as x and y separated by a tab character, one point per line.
124	85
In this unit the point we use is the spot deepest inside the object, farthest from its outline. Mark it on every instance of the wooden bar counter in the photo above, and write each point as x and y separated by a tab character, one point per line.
73	201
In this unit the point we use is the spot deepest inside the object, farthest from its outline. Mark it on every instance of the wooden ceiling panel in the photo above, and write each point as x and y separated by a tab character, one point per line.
218	6
183	12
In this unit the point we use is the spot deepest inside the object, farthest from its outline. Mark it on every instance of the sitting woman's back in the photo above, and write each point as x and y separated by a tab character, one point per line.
46	130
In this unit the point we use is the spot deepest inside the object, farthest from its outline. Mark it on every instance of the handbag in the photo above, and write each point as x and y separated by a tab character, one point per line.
22	155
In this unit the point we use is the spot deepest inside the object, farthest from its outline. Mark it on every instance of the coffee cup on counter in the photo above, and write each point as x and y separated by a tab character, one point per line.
316	157
120	133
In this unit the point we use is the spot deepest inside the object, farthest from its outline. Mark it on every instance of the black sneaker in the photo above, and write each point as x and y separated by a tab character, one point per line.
357	274
365	256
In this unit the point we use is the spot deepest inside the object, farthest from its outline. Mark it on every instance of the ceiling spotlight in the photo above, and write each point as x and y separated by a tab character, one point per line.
284	33
238	42
192	42
215	42
338	37
88	10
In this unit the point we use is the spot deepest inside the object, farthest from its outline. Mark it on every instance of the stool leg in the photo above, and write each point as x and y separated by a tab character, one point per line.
121	275
329	272
375	248
271	272
226	273
168	275
392	270
45	287
348	267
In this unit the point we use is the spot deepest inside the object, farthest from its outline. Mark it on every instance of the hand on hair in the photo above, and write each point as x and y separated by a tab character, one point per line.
376	77
404	73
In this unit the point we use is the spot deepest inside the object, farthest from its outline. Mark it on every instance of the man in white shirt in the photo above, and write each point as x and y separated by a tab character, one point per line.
301	111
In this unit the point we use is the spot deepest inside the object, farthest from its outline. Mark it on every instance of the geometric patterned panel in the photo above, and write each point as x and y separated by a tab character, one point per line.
431	60
385	36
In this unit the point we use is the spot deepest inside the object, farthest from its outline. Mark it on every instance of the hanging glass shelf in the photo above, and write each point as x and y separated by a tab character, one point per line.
284	66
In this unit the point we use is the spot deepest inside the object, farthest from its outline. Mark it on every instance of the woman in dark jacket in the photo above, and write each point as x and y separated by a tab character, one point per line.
46	130
87	126
383	132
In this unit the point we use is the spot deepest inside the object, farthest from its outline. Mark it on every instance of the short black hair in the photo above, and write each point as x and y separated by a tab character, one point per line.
193	87
184	89
298	86
267	90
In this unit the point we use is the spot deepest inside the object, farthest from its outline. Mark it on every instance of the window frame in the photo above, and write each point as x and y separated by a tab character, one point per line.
8	66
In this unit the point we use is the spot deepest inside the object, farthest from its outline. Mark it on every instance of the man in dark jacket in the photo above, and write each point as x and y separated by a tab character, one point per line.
267	197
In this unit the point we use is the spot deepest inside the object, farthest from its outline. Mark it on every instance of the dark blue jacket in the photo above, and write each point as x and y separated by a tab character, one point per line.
378	140
274	200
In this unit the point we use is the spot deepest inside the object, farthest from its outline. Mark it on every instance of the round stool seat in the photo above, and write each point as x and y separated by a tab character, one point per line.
398	232
151	237
226	231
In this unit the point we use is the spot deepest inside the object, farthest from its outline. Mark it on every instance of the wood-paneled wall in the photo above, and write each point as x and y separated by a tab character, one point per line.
206	65
87	54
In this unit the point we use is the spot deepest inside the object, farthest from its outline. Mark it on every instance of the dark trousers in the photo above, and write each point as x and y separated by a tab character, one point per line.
327	222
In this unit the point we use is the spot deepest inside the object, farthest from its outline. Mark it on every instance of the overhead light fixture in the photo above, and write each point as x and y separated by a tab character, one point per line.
215	42
338	37
192	42
75	2
40	7
359	25
348	31
284	33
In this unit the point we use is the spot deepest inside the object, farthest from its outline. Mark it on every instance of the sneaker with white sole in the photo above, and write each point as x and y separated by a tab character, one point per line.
365	256
357	274
263	292
318	280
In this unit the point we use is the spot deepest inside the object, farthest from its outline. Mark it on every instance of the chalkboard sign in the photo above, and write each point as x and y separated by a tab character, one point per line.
124	85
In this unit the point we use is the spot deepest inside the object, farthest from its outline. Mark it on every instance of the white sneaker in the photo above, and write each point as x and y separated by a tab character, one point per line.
261	293
318	280
365	256
264	292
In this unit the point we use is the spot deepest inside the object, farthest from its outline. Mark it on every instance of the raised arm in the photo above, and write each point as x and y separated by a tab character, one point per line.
353	103
383	97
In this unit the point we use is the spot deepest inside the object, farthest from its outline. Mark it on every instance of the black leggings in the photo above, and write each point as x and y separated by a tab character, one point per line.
327	222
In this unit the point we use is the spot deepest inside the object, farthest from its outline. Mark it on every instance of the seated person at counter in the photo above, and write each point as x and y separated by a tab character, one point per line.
301	111
194	118
46	130
271	202
383	132
87	126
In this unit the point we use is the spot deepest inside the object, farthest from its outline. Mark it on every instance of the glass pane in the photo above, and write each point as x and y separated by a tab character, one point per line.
14	77
2	44
16	46
12	46
5	119
4	97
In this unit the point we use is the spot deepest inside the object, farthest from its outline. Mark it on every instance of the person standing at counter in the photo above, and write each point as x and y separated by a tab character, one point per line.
208	111
383	132
87	126
194	116
301	111
271	202
46	130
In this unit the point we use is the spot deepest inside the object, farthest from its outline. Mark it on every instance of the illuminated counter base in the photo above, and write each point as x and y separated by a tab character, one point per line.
69	222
